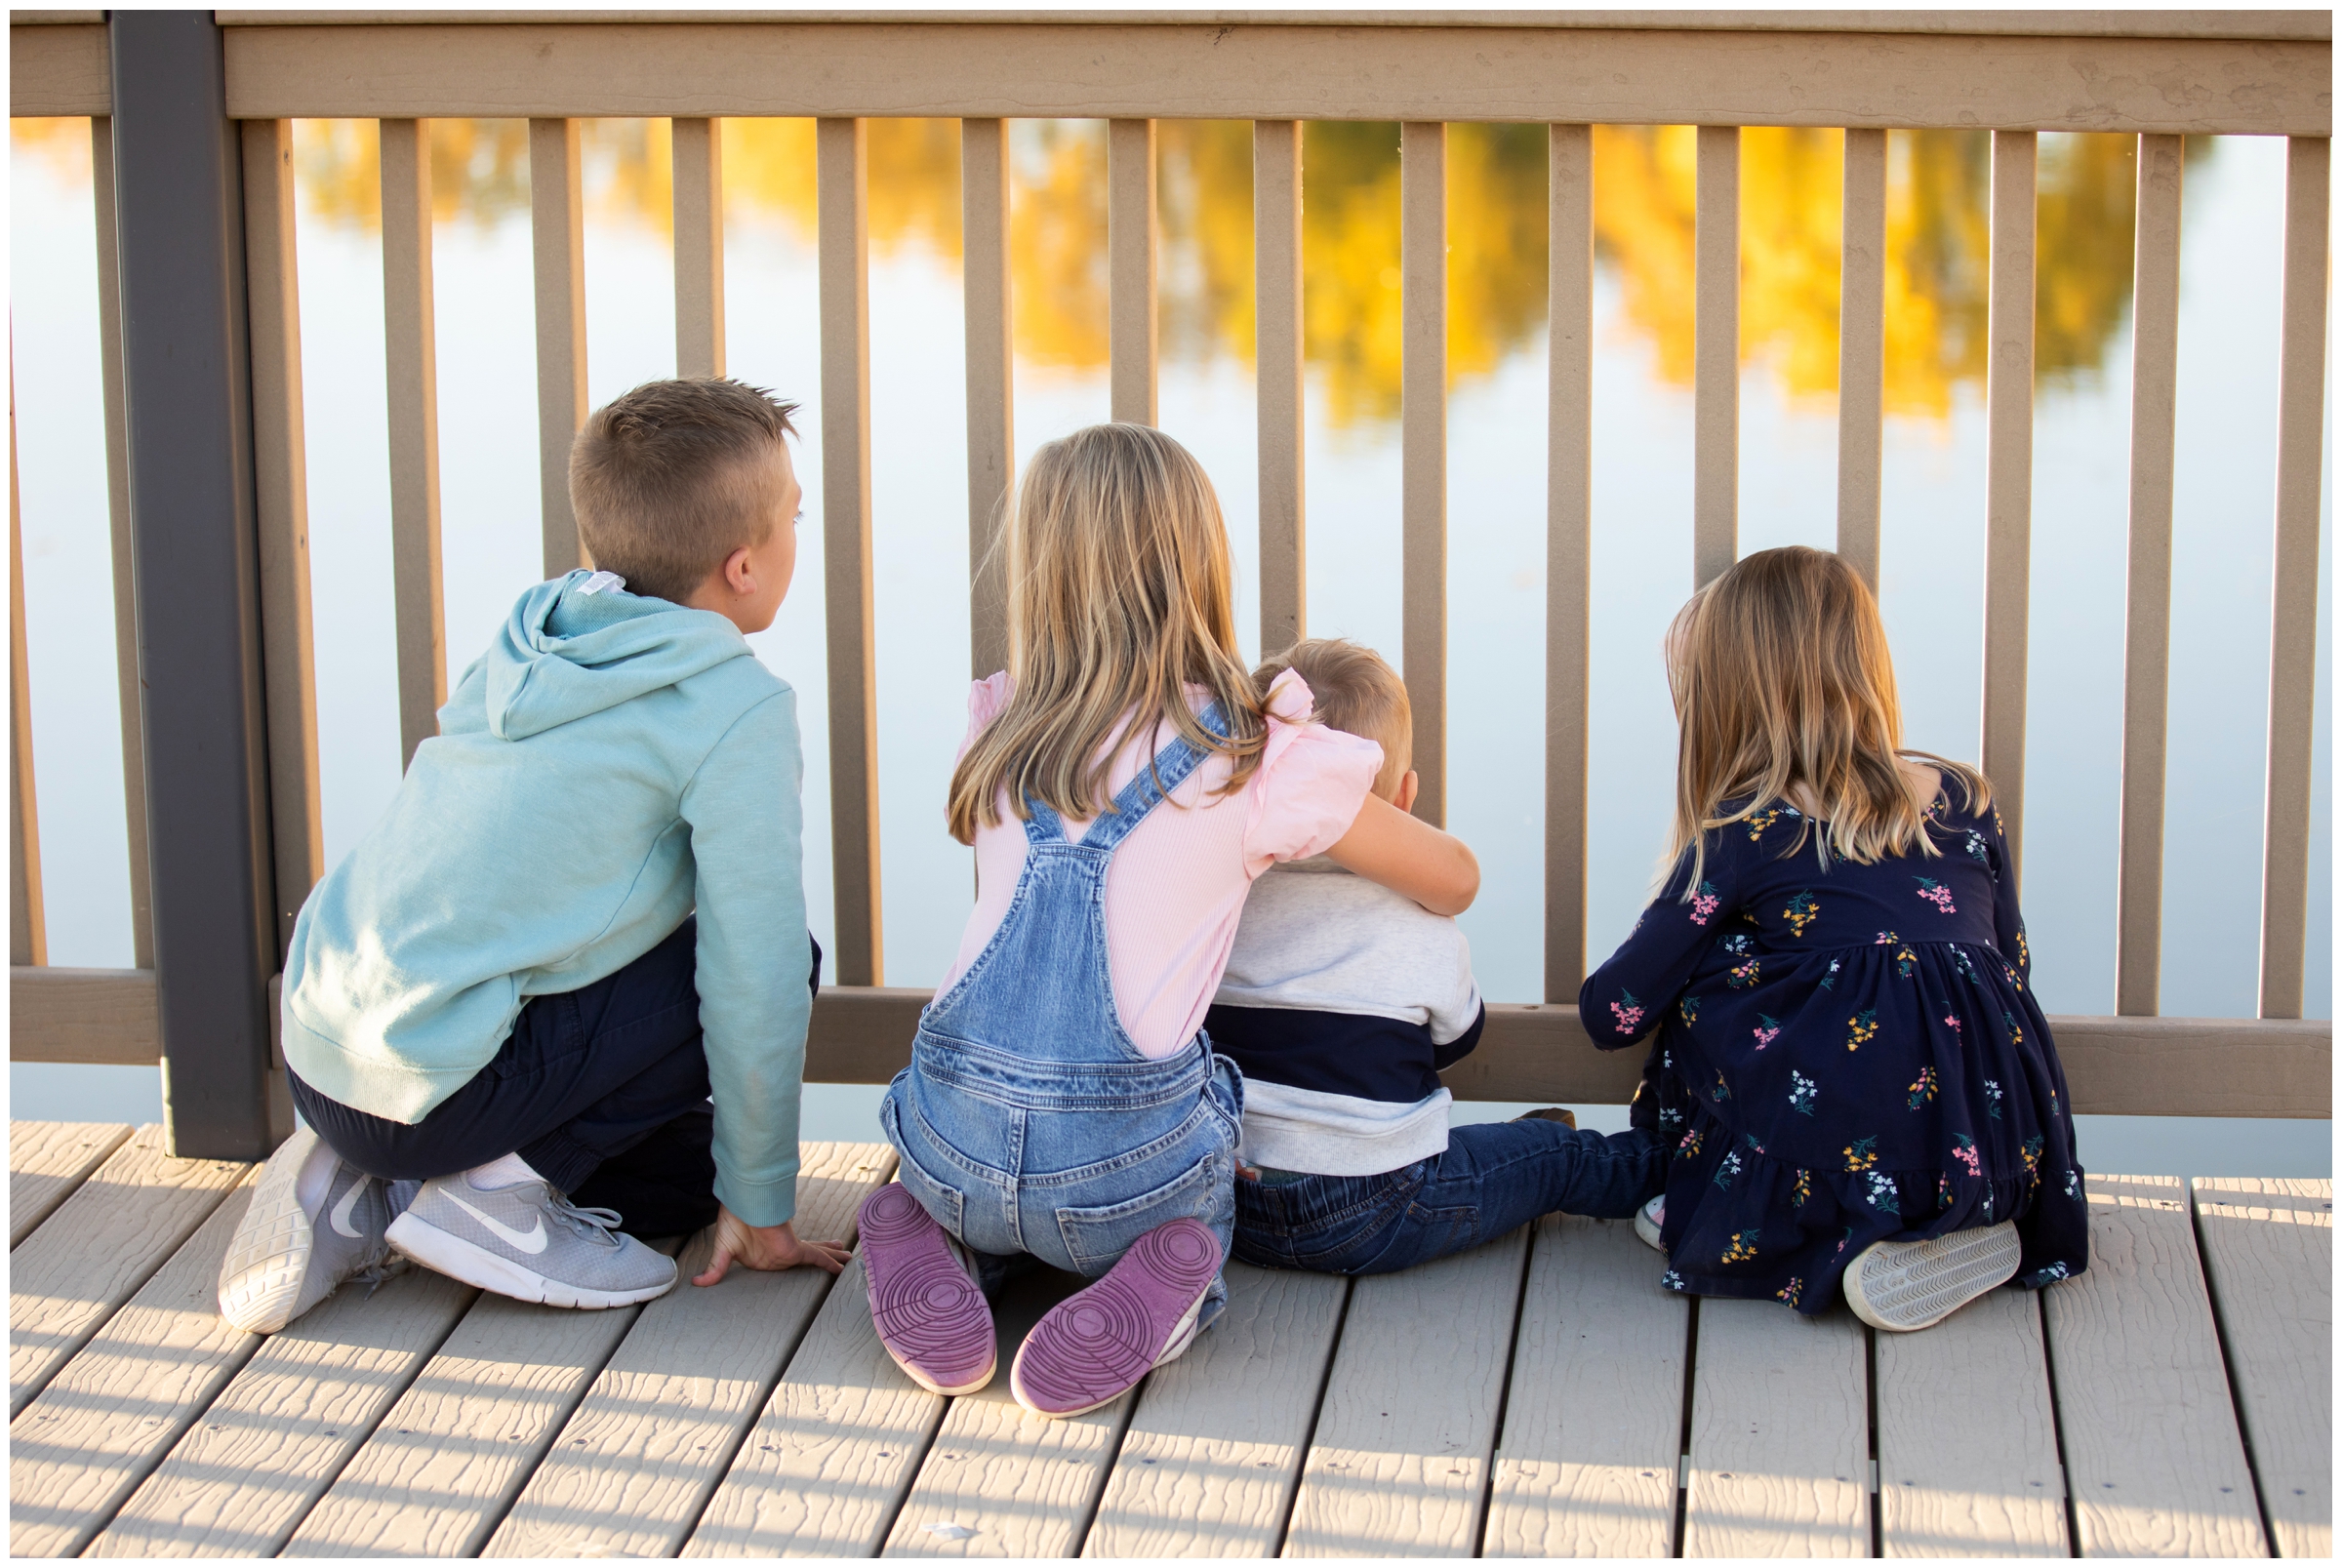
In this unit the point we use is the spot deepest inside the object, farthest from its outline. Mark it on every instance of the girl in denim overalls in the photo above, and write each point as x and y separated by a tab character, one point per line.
1123	784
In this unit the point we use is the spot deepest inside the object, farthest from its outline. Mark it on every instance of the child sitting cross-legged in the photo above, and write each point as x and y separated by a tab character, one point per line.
506	1011
1342	1001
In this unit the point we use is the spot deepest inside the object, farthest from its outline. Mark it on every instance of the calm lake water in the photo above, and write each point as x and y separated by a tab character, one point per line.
1931	584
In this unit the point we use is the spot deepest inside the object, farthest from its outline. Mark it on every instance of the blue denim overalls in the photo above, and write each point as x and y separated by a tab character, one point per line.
1028	1121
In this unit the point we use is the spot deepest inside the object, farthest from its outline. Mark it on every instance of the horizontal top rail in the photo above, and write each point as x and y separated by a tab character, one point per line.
1882	75
2231	24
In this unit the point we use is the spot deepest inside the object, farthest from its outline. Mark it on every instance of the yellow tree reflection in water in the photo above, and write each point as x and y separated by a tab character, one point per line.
1645	200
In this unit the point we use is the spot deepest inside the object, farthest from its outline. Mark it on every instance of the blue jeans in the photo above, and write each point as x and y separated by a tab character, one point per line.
1027	1122
1493	1178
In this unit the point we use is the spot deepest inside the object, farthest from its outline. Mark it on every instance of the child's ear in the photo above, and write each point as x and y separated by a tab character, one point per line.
1409	783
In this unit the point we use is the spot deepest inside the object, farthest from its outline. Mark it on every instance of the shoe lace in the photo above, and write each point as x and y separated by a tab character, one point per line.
591	1224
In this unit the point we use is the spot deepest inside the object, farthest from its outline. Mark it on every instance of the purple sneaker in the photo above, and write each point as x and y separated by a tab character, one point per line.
1093	1347
929	1313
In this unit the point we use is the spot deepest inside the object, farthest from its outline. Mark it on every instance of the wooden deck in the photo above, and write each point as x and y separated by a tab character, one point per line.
1538	1397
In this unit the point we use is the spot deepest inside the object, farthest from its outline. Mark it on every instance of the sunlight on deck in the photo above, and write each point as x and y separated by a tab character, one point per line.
1523	1399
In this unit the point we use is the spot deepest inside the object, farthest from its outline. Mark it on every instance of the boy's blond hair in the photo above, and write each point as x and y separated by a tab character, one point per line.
1354	691
672	477
1119	597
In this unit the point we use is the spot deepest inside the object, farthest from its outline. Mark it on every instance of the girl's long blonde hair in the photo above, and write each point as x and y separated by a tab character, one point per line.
1781	678
1119	594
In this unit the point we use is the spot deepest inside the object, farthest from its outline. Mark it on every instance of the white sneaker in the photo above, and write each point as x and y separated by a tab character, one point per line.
315	1221
1649	1218
1899	1286
528	1242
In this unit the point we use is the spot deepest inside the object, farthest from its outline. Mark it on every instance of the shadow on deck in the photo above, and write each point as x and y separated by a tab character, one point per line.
1540	1397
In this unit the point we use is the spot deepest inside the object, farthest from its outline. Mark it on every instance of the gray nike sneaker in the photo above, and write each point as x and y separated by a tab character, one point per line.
315	1221
528	1242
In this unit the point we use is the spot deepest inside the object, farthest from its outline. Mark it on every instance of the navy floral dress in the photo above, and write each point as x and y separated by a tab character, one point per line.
1844	1055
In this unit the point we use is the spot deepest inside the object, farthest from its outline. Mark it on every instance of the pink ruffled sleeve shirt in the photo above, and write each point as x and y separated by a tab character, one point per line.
1177	884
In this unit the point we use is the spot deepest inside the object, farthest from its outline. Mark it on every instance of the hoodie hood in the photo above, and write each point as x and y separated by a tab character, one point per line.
564	654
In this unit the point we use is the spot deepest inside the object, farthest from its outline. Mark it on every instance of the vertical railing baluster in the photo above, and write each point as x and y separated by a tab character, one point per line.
1568	549
842	180
557	227
2147	632
281	492
1716	356
1423	447
1277	394
411	362
2008	476
1130	233
1862	351
2293	611
117	505
698	147
27	921
992	400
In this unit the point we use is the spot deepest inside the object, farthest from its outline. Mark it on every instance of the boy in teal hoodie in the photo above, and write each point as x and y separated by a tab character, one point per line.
582	919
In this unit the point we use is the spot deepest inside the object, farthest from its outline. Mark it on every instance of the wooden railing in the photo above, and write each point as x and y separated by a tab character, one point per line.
2160	76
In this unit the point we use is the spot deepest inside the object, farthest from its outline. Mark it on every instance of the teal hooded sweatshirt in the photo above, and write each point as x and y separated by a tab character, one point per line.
611	763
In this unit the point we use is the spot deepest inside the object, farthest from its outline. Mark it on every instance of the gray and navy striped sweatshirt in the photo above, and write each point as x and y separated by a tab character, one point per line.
1341	1002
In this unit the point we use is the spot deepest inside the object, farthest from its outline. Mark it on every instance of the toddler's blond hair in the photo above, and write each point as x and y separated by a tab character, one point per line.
1354	691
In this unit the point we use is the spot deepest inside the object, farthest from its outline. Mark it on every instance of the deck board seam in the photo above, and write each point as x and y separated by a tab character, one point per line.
1869	1374
718	1473
2228	1363
1503	1391
97	1325
388	1402
1692	1368
555	1426
1326	1379
2057	1425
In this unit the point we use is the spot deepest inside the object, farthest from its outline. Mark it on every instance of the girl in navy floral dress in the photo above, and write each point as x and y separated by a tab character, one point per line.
1849	1062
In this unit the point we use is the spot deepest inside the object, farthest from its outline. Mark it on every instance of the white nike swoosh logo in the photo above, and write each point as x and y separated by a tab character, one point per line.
532	1241
350	1201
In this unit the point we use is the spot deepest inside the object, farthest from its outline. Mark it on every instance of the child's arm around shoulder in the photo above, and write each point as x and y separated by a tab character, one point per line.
1409	856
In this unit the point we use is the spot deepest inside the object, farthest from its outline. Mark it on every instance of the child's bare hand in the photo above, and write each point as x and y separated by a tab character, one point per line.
768	1246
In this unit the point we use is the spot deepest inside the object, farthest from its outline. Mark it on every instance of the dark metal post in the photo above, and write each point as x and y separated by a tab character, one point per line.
188	381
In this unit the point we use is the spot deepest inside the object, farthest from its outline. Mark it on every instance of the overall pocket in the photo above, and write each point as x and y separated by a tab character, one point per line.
943	1202
1097	1237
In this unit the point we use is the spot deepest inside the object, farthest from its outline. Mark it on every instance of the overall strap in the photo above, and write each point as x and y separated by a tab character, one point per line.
1171	766
1043	824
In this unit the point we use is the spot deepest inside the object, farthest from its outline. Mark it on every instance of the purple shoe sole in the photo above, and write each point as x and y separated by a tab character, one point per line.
1097	1344
932	1317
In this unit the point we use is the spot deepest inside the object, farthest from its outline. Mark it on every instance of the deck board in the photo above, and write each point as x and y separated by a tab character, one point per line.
446	1461
829	1463
1967	1437
402	1422
999	1481
1215	1444
2152	1452
46	1160
95	1250
245	1474
104	1422
1780	1435
1594	1421
1400	1463
2269	1253
635	1462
